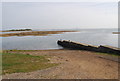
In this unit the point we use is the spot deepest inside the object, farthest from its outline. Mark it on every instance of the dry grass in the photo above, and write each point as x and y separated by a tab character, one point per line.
116	32
33	33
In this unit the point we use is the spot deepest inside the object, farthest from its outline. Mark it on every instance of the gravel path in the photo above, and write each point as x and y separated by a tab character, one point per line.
74	64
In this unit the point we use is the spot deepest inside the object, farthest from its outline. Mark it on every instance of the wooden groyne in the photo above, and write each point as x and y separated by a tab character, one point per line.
81	46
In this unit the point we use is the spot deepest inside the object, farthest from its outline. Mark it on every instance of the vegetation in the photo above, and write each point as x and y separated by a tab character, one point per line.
0	63
15	50
18	30
14	63
33	33
116	32
116	55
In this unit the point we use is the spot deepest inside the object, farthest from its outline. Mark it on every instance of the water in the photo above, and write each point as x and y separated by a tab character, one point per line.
87	36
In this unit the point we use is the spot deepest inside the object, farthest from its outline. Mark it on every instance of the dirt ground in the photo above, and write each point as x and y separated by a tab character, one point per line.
74	64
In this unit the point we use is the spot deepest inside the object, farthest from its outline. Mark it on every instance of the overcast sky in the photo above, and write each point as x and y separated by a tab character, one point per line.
59	0
57	15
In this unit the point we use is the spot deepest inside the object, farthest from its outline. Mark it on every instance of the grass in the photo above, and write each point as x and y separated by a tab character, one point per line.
116	55
15	50
15	63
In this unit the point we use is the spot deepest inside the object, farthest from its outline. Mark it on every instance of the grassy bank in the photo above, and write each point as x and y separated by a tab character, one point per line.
33	33
15	63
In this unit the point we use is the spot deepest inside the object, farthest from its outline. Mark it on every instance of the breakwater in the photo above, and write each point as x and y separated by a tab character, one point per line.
81	46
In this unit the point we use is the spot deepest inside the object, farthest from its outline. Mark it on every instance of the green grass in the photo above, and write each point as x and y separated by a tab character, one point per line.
116	55
15	63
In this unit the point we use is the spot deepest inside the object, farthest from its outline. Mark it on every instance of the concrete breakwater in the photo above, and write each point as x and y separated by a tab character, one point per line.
81	46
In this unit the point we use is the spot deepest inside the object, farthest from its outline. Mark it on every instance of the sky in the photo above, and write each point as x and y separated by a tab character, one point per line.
59	0
59	15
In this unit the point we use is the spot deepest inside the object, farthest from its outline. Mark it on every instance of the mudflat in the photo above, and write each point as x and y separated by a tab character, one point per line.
73	64
33	33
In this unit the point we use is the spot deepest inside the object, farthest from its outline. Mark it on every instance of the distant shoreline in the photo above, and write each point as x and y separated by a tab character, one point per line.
33	33
116	32
12	30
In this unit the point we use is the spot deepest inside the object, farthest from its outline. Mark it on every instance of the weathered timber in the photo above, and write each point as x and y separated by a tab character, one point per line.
81	46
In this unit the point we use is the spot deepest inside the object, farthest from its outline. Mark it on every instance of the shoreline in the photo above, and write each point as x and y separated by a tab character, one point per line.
33	33
78	60
64	49
116	32
107	56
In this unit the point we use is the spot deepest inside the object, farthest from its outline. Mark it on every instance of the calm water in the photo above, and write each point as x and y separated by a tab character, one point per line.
88	36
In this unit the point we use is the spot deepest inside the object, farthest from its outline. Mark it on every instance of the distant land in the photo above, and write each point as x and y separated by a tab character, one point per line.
17	30
33	33
116	32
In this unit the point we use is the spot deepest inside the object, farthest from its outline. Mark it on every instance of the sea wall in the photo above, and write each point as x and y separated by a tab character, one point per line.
81	46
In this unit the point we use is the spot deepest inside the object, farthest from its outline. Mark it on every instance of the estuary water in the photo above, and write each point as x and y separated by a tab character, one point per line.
87	36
